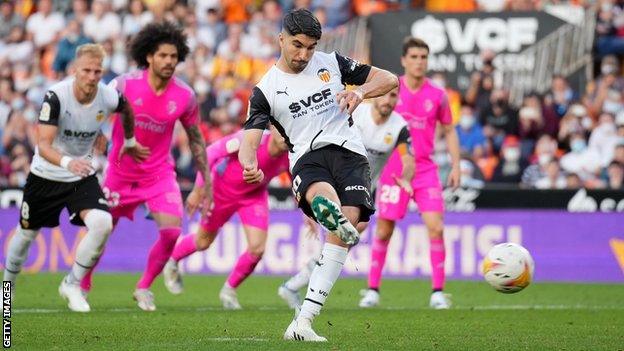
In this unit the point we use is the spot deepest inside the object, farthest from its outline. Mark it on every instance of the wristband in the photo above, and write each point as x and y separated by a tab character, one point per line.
65	160
130	142
359	93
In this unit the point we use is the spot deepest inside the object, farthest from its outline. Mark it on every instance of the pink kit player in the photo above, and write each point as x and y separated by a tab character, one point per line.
233	195
158	99
422	105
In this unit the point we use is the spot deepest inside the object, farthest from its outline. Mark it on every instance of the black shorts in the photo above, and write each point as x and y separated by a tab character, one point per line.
347	171
44	200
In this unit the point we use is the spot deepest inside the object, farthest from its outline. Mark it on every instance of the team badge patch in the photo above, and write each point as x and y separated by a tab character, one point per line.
172	107
44	115
100	116
388	139
324	75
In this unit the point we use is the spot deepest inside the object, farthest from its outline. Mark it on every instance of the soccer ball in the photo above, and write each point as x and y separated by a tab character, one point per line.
508	267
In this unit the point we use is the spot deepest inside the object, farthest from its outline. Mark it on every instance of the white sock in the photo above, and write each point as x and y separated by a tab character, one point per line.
99	224
323	277
18	252
302	278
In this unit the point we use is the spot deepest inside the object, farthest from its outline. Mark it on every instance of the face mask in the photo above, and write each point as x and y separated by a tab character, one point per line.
611	107
466	121
607	69
18	104
439	82
543	159
72	37
578	145
587	123
511	154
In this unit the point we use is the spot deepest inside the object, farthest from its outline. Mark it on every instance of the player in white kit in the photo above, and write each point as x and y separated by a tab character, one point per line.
62	175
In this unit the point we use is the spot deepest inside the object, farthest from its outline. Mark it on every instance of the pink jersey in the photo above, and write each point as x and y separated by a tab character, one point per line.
422	109
227	172
155	117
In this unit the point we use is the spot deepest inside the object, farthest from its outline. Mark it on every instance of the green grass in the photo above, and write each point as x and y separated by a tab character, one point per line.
543	317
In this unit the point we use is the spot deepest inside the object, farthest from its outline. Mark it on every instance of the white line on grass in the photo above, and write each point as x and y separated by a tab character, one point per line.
208	309
234	339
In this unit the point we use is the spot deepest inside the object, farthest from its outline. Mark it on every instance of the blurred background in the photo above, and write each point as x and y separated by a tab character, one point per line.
536	89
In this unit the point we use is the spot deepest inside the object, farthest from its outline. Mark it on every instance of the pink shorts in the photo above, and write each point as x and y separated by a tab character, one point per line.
393	201
252	211
162	196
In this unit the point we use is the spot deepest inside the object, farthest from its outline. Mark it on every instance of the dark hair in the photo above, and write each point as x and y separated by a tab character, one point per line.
302	21
411	42
147	41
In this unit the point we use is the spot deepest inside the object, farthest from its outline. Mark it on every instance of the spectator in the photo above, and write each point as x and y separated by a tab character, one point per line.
482	84
136	18
454	98
80	10
499	119
573	181
8	19
101	24
511	166
67	47
469	177
605	92
470	132
615	173
581	160
553	178
545	151
487	161
577	120
560	96
213	31
618	154
530	128
18	49
44	26
603	139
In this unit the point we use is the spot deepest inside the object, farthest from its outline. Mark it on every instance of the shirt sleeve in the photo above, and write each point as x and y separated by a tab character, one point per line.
191	116
259	110
351	71
115	100
444	113
404	142
50	109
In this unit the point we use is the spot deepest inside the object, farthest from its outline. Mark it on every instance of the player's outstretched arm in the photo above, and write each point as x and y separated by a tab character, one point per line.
247	155
452	143
198	149
377	83
131	147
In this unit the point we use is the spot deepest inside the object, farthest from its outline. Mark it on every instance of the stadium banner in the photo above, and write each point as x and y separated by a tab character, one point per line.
574	247
456	39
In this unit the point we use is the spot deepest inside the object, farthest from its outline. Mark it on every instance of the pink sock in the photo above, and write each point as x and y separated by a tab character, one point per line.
85	283
158	256
378	259
184	248
244	267
437	255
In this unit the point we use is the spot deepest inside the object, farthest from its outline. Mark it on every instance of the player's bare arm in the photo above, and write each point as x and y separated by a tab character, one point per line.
378	82
247	156
131	147
198	149
409	168
452	143
47	133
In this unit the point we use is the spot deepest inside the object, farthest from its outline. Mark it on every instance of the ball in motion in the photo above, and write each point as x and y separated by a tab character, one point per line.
508	268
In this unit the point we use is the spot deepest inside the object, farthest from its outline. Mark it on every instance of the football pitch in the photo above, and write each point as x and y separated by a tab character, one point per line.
543	317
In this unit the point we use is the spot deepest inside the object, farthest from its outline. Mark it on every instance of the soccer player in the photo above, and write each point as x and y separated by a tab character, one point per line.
233	195
158	100
422	104
62	174
383	131
304	97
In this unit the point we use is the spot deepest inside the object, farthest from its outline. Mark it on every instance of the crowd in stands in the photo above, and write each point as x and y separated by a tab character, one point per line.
562	139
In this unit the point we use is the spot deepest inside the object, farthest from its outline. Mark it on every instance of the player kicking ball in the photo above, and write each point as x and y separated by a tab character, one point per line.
383	131
304	97
62	175
232	195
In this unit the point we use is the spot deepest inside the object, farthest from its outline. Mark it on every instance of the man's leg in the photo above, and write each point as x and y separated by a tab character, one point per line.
327	270
17	252
245	265
379	248
437	254
99	225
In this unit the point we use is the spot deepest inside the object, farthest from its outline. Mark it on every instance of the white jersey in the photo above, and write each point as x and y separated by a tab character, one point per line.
78	125
303	107
380	140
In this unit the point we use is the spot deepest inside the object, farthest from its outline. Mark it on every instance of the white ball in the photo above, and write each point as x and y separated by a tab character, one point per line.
508	268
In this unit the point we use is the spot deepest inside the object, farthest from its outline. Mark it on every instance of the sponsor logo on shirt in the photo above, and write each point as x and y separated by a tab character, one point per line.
313	103
79	134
